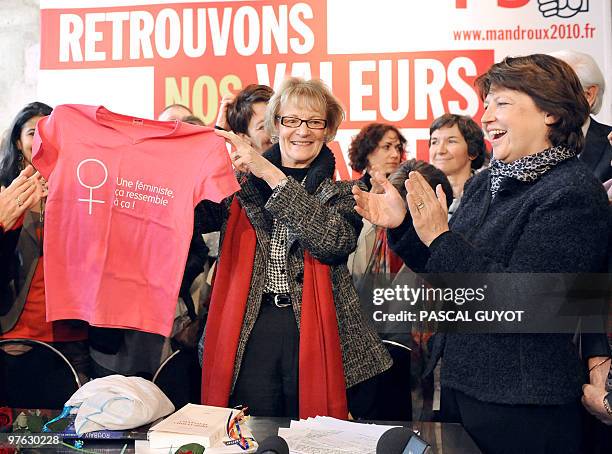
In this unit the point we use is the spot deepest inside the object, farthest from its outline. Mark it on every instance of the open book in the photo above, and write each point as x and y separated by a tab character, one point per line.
193	423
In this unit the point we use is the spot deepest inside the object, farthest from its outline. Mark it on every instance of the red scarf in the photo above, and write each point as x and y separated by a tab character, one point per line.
322	389
383	259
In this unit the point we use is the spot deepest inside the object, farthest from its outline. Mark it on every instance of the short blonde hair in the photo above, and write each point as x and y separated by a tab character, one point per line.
310	94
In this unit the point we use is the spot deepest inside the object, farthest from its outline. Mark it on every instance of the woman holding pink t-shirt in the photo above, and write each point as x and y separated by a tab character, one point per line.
22	289
285	335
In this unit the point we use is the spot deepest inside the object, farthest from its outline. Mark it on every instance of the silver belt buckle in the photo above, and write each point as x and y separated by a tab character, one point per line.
277	299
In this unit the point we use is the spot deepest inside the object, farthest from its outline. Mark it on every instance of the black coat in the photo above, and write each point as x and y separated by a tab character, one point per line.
597	152
557	224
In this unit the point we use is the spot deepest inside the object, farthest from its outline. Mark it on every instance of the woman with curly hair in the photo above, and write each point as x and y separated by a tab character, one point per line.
380	148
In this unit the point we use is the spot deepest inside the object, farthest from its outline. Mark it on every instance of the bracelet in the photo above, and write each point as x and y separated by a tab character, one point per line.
607	405
278	187
599	364
281	183
220	128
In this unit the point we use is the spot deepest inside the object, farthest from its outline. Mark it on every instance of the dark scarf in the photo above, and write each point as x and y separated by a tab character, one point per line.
322	387
322	167
366	179
528	168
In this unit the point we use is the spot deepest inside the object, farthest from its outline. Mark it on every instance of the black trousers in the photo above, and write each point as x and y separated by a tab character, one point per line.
268	378
515	429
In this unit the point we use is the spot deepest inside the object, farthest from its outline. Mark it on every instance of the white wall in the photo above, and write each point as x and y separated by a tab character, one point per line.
19	56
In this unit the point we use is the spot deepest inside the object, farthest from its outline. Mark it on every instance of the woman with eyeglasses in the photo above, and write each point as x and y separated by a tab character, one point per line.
285	335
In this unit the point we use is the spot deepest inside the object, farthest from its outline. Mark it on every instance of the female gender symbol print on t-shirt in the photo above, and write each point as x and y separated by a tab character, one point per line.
92	186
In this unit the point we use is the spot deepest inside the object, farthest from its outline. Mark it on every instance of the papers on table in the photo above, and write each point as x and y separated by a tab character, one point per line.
320	435
325	435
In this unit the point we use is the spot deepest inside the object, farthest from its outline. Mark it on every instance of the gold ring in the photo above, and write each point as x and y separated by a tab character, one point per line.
420	205
19	202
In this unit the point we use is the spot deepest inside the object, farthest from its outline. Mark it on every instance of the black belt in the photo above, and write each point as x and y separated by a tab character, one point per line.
277	299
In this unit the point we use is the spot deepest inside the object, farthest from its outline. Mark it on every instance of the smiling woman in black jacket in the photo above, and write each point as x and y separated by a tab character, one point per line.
536	210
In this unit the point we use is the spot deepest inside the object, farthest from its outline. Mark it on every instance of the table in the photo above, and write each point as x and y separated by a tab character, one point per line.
444	438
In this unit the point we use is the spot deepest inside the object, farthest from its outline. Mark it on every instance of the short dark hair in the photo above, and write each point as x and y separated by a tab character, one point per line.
432	175
554	88
240	111
366	142
471	132
11	158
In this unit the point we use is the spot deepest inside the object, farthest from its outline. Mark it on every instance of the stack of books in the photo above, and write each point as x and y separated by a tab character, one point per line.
201	424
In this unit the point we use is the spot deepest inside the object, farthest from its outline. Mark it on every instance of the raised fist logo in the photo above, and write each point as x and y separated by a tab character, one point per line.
562	8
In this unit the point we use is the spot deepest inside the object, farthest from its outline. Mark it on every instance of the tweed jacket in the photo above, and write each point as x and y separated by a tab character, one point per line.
325	224
556	224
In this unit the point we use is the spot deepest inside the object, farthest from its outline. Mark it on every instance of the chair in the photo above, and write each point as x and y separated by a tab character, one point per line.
34	374
180	377
394	398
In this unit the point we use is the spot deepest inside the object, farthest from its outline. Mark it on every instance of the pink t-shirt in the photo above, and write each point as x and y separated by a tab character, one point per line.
119	215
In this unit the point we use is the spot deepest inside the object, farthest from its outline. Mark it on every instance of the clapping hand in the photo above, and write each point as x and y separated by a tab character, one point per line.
384	208
22	194
429	210
376	187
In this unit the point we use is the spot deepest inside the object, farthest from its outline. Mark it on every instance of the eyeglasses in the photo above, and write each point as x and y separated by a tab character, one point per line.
233	429
293	122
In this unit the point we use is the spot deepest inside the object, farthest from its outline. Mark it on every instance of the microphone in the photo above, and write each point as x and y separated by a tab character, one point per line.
273	445
401	440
